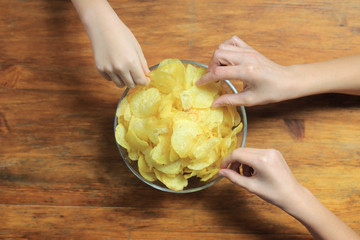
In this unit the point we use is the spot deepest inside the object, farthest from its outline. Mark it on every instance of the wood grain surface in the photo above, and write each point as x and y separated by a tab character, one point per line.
61	175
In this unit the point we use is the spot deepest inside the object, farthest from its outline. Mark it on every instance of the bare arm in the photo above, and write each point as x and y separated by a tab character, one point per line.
340	75
118	55
268	82
273	181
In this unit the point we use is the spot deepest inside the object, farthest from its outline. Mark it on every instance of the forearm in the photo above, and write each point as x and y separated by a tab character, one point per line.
95	14
320	221
335	76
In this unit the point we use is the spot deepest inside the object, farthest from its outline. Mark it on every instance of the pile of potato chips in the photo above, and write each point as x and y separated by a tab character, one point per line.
170	129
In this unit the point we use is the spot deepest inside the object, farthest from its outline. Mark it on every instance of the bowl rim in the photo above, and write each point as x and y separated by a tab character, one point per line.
165	189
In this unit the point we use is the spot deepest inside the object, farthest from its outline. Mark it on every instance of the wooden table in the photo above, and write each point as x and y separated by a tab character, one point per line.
61	175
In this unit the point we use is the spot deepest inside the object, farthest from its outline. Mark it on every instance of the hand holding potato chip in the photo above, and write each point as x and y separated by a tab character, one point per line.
267	82
271	179
118	55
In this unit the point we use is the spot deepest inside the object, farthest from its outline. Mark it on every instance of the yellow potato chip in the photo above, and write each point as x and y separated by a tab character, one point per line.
122	106
173	168
170	128
163	81
234	115
145	170
196	97
184	136
211	117
155	127
205	161
127	113
203	98
176	68
204	146
139	126
134	141
145	103
120	133
176	183
166	107
161	152
133	155
173	155
192	74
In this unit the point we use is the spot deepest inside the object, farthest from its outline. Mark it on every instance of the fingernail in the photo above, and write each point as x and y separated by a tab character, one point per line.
221	173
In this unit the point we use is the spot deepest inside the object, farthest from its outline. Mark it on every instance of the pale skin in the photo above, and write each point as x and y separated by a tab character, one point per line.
265	171
271	179
118	55
269	82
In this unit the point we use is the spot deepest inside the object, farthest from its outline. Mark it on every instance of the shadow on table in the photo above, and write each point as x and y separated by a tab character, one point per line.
288	108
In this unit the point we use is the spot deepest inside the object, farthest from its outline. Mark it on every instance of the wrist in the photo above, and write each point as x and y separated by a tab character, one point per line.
304	80
299	202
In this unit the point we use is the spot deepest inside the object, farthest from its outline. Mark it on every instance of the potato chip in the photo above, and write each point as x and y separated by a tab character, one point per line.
196	97
145	103
184	136
205	161
204	146
139	125
156	127
163	81
192	74
176	183
122	106
176	68
170	128
120	133
170	168
134	141
145	170
160	154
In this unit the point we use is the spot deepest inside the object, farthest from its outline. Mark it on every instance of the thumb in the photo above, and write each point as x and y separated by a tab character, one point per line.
235	177
241	98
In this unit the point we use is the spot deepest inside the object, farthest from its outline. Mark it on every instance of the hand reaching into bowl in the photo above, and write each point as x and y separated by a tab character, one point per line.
118	55
266	174
266	81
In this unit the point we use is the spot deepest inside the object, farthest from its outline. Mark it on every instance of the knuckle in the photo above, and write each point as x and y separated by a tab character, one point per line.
217	53
249	100
270	156
119	67
228	100
216	71
131	61
221	46
99	67
250	69
141	81
104	68
234	39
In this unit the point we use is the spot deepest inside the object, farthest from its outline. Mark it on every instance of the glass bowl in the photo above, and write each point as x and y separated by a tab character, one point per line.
194	183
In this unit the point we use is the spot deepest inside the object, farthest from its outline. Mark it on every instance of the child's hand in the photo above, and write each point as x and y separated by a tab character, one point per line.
118	55
264	80
265	173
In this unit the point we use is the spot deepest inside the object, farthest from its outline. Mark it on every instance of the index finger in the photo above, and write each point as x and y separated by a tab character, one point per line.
224	73
241	155
236	41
